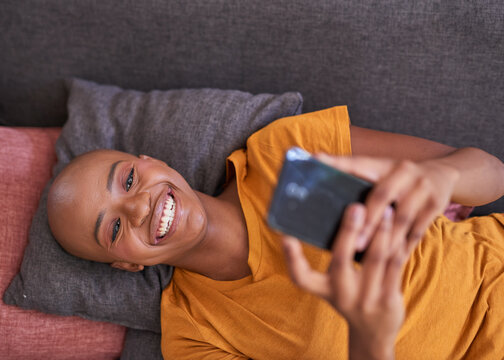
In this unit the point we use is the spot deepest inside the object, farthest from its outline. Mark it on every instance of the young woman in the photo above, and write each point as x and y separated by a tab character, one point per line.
231	296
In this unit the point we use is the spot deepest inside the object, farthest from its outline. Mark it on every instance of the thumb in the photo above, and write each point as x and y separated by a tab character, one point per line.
367	168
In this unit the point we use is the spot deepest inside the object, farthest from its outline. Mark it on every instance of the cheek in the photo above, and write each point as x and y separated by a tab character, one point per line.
155	168
193	230
131	249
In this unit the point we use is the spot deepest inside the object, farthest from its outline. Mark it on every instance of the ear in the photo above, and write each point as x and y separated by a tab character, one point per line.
127	266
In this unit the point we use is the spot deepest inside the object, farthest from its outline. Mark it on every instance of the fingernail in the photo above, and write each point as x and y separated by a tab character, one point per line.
322	156
287	246
288	240
358	214
290	243
388	212
360	243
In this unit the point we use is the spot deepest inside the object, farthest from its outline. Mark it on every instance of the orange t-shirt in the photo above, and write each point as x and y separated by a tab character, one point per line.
450	285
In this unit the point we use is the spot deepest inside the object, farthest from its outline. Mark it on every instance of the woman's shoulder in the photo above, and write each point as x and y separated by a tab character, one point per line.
325	130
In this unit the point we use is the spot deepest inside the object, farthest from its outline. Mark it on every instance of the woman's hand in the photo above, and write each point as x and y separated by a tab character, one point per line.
418	191
369	297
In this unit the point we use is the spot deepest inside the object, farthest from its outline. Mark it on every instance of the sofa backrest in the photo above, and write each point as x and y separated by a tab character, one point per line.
429	68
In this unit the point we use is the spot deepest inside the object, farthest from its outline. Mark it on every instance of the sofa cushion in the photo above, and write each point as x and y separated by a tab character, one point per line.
192	130
26	158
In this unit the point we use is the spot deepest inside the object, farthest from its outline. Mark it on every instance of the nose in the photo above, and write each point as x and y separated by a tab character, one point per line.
137	207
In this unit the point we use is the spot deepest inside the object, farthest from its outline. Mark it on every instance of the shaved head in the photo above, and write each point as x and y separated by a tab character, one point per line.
109	206
65	204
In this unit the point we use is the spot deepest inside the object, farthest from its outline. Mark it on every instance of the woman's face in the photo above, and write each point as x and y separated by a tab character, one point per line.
110	206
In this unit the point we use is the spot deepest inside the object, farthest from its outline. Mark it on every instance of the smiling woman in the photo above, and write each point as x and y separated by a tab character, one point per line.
133	212
108	206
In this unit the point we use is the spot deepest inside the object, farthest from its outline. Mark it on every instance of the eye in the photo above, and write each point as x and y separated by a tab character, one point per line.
129	181
116	228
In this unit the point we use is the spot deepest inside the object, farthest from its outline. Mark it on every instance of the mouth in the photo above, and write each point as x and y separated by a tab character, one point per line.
167	210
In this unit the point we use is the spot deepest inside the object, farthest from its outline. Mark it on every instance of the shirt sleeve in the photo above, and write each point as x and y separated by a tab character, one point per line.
325	131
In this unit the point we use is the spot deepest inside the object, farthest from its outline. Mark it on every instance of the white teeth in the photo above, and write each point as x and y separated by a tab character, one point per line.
167	217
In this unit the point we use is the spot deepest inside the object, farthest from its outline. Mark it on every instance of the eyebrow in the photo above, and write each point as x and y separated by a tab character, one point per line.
97	226
99	220
111	174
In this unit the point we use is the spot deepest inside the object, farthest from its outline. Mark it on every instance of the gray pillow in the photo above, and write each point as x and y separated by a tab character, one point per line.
141	345
192	130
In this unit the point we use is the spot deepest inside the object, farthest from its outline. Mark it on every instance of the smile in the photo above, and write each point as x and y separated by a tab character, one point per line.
166	217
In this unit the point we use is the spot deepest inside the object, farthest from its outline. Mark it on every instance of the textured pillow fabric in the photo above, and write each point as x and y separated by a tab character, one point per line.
142	344
192	130
26	158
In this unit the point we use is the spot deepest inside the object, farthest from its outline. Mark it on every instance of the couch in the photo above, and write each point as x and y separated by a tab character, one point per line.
430	68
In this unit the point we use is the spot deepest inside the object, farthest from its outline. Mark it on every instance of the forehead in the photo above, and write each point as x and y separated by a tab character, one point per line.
85	190
98	167
91	174
91	178
100	160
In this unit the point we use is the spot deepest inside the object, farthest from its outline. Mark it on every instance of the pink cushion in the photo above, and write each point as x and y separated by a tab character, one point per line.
26	160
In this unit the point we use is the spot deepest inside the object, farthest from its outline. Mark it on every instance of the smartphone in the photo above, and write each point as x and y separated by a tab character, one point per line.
311	197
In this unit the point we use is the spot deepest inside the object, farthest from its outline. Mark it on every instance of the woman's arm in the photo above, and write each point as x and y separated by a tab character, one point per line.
419	177
395	146
481	175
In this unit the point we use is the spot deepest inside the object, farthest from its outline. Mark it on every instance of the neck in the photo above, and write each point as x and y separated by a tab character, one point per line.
223	253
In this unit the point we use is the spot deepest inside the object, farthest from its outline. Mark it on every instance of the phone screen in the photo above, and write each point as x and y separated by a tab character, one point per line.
311	197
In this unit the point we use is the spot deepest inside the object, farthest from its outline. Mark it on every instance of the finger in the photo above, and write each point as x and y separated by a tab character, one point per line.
341	270
369	168
344	242
387	191
376	259
392	279
419	227
301	272
408	209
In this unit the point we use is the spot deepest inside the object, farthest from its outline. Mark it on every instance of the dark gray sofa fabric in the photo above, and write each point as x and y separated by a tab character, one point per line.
429	68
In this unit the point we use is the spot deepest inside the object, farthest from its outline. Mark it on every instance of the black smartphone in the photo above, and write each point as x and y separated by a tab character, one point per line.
310	199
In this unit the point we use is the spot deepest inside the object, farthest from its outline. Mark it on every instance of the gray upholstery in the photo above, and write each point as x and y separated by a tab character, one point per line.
429	68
